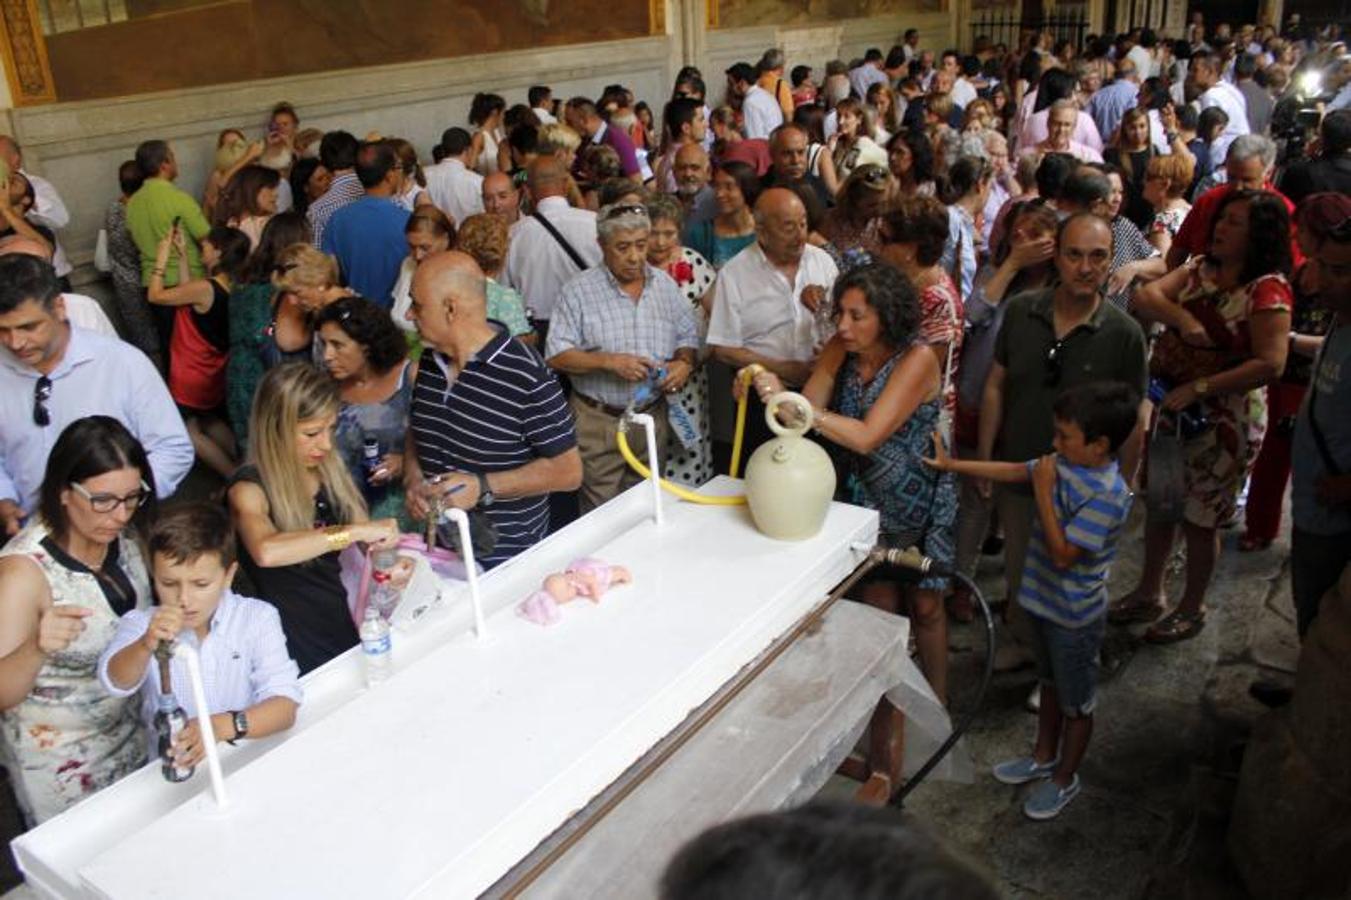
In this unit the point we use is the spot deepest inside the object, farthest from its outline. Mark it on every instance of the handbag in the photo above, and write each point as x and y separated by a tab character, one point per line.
1166	476
101	260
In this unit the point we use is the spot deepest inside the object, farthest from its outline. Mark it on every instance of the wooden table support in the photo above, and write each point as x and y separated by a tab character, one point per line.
879	769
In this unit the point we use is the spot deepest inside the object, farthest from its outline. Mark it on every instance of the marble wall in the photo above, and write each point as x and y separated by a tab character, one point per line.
78	145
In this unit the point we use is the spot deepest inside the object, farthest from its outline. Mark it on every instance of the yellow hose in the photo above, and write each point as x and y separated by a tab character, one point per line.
745	376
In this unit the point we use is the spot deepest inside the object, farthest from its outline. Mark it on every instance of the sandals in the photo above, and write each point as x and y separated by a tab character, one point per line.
1175	627
1250	544
1130	610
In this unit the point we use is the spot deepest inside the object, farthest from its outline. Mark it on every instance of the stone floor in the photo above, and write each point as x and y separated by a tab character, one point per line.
1161	770
1159	775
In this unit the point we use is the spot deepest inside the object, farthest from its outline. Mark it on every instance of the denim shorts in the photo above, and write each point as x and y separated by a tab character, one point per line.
1067	658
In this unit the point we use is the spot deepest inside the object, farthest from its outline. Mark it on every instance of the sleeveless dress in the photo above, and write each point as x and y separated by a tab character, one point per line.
198	352
309	596
386	422
69	739
692	465
918	505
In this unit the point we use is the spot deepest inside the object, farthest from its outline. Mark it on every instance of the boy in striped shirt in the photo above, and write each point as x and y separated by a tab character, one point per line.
1082	504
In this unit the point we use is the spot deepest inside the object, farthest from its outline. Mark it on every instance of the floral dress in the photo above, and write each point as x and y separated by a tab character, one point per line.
918	505
1220	458
69	739
943	322
386	423
692	465
1168	221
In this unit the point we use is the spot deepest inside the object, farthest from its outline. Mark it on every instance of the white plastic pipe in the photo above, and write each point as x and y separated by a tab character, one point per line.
654	471
461	520
204	722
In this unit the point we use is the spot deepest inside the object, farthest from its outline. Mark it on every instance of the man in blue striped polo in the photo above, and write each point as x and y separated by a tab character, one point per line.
488	428
1082	503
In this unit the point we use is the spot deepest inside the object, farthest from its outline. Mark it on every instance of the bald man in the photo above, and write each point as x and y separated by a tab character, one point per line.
488	428
551	246
501	197
765	299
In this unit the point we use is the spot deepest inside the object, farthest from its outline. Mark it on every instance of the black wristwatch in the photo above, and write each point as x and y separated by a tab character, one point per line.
486	497
241	723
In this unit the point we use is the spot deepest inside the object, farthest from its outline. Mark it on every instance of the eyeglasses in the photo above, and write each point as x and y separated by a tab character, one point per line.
42	392
624	209
106	503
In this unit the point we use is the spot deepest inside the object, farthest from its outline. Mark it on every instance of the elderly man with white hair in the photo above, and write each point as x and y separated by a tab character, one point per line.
625	335
1247	167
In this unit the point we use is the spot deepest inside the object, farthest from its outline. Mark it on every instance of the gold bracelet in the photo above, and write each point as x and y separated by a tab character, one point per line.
338	537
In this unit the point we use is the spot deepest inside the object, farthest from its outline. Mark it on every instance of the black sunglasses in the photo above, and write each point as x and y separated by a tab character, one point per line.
42	392
1055	363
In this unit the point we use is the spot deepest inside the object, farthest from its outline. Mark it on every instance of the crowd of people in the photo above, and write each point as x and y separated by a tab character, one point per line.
1018	286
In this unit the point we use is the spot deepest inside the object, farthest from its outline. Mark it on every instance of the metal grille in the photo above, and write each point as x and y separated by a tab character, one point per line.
1003	25
72	15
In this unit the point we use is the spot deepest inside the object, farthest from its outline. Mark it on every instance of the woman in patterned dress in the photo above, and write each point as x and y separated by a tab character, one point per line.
876	391
65	579
689	463
1228	316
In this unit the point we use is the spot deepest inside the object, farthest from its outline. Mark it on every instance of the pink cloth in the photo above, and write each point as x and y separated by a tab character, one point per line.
1034	131
540	608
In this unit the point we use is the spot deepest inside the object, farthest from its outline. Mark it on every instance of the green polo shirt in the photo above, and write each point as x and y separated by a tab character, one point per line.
150	214
1110	346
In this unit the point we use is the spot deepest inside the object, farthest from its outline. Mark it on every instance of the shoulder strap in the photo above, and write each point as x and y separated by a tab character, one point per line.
1319	439
562	242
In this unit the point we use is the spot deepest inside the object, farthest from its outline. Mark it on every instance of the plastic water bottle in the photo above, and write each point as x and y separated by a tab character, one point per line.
384	596
375	646
370	464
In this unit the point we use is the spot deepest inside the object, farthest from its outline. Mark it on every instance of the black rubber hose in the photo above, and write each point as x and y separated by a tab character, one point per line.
975	709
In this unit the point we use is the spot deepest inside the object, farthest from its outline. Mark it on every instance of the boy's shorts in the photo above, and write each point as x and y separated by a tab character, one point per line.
1067	658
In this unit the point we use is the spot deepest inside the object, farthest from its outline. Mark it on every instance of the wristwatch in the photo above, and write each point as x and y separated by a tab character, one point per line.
241	723
486	497
1201	386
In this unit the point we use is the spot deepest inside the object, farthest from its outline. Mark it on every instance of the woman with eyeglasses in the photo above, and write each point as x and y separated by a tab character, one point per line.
296	508
366	354
1227	316
250	318
876	391
65	579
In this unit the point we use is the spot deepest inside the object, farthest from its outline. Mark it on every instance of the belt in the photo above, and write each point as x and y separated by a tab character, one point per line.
615	411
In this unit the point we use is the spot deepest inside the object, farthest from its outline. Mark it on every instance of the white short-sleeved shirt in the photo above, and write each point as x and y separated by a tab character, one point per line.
761	112
756	309
537	266
455	189
1231	100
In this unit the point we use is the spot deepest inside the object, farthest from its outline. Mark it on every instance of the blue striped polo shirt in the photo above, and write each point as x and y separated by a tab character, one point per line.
503	411
1092	505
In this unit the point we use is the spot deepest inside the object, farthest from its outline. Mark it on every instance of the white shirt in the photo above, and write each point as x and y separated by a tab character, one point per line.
537	267
756	309
1144	62
50	210
962	92
244	660
455	189
1231	100
85	312
545	117
761	113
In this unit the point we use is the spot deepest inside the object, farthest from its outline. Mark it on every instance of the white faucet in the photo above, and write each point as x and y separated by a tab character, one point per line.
461	520
654	475
208	736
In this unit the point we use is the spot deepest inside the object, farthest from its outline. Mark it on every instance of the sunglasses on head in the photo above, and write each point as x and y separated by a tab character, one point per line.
624	209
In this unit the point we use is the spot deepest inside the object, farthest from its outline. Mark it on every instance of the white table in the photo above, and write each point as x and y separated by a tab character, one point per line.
439	781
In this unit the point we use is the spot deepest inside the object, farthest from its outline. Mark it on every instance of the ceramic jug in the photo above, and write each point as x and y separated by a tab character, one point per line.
789	480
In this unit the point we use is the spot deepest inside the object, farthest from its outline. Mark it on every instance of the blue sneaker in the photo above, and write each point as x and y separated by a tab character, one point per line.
1047	799
1023	769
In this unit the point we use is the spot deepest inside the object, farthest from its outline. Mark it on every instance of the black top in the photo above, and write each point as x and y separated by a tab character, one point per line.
810	189
1316	176
214	324
309	596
